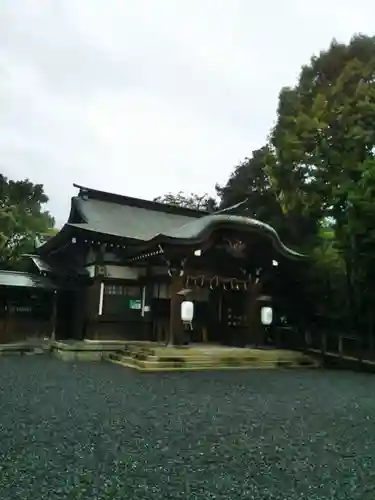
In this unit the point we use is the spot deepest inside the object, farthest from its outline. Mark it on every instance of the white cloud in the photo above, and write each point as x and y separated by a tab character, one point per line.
144	97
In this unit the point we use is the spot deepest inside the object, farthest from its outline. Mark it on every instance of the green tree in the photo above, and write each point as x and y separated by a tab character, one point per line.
324	129
22	219
255	180
324	142
193	201
251	181
319	168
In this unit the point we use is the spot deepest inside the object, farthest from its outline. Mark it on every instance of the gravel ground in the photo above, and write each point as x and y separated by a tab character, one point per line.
99	431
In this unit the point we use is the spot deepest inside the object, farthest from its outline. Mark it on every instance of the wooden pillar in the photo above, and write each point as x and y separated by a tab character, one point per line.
93	309
340	346
98	300
10	324
80	312
6	318
253	328
324	342
204	335
54	315
175	323
99	293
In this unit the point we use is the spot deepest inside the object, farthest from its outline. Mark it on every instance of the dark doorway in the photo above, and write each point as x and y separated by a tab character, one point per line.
64	314
71	314
226	321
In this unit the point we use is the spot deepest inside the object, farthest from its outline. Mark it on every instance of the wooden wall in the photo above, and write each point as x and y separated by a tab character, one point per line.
19	329
112	329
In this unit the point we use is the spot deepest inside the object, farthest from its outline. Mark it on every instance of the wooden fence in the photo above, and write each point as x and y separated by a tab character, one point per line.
335	348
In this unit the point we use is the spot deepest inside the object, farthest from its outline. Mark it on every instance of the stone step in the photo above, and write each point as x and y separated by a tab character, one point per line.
304	360
184	363
147	367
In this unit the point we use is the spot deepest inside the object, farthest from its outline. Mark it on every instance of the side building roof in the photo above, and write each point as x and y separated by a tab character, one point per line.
21	279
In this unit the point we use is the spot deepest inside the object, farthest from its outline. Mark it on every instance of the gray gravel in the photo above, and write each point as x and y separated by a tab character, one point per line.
98	431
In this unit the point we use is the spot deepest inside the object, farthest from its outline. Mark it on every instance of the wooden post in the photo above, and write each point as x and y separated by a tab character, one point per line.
307	339
341	347
252	328
204	335
359	349
96	301
6	315
371	344
54	315
175	323
324	343
371	333
9	326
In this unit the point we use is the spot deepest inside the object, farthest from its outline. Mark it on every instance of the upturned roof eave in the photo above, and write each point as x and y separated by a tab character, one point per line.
213	224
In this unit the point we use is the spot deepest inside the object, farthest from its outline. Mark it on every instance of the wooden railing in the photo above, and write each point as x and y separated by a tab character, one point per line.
334	346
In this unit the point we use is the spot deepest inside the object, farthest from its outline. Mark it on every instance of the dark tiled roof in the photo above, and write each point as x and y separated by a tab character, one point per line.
198	228
193	229
24	280
127	221
148	222
95	194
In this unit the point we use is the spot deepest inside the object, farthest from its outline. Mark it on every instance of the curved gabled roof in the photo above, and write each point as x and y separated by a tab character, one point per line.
144	223
197	231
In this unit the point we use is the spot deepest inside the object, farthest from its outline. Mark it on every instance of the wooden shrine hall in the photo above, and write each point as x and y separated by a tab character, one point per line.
120	268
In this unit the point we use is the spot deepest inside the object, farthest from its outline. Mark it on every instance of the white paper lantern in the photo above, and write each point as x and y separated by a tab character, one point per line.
187	311
266	315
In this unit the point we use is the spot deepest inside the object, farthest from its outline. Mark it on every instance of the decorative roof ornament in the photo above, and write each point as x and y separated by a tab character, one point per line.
235	247
176	267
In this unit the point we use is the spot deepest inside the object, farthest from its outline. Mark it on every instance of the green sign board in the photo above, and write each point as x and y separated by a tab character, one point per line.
135	304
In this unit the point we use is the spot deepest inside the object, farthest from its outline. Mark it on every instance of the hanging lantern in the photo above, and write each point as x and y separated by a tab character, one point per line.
187	311
266	315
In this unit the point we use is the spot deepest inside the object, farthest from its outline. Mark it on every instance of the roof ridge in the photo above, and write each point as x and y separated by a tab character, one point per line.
122	199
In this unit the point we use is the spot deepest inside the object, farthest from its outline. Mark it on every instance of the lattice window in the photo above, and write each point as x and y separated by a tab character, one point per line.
125	290
114	290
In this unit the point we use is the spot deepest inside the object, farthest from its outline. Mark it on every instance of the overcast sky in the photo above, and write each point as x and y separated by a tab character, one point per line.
143	97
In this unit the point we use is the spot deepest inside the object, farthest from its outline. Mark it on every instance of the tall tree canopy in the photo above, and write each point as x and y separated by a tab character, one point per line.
22	219
192	200
324	135
324	141
250	180
254	180
319	166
